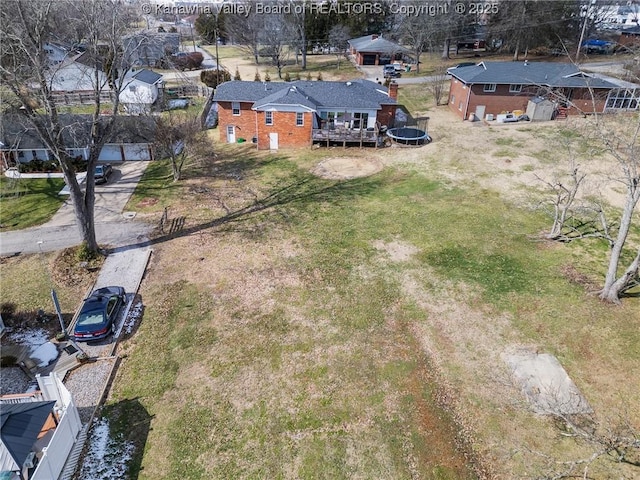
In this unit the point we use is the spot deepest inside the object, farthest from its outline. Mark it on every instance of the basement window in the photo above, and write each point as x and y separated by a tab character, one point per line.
489	87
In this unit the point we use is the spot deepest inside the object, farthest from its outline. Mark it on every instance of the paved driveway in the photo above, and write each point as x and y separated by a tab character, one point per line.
111	227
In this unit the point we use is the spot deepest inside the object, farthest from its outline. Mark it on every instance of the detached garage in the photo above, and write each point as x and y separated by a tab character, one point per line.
130	139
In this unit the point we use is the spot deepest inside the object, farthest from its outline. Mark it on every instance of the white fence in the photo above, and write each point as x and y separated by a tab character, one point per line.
54	455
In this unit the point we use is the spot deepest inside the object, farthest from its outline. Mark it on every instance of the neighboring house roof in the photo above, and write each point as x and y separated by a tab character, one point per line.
77	73
635	30
149	46
87	59
17	133
20	425
529	73
376	44
354	94
147	76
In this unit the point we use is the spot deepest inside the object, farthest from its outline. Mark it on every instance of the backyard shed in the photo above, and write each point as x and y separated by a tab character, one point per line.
540	109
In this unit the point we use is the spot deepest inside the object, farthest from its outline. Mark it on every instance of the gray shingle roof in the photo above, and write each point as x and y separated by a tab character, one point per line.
353	94
286	96
375	44
17	132
528	73
147	76
20	425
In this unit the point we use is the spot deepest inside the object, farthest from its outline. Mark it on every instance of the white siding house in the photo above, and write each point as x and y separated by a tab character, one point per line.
77	74
140	92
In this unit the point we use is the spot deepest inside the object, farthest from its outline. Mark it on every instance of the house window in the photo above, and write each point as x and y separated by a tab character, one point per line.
299	119
624	99
132	88
489	87
453	99
515	88
235	108
268	118
460	106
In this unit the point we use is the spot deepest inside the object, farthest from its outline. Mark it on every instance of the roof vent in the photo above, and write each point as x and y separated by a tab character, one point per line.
348	84
526	63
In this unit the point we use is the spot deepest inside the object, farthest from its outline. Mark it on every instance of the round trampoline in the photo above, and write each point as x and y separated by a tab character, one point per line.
409	136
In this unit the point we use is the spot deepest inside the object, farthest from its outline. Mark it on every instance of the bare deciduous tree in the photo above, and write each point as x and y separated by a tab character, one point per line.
607	443
338	41
178	135
25	29
297	19
276	36
437	84
619	135
245	31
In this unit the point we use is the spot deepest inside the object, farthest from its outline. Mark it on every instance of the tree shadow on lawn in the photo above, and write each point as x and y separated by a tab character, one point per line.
130	422
285	201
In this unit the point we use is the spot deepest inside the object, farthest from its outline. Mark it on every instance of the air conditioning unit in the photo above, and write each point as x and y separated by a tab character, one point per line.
30	461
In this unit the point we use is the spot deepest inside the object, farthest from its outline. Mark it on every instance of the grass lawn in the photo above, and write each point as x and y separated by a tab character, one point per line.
28	202
299	327
285	336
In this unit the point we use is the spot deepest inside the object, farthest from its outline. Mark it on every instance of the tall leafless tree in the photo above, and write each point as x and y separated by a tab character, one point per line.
619	135
297	18
26	27
276	37
178	135
338	41
245	31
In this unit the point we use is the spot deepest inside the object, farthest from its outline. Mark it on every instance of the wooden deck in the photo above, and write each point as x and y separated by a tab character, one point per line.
345	136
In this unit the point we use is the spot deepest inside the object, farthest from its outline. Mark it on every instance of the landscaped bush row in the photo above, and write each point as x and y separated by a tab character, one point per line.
50	166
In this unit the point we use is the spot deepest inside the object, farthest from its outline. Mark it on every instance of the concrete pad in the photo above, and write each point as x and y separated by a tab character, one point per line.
124	267
545	383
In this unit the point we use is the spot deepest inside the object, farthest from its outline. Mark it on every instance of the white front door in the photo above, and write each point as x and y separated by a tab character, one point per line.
273	141
231	134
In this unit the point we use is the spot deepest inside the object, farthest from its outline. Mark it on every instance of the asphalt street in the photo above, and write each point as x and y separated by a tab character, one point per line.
113	226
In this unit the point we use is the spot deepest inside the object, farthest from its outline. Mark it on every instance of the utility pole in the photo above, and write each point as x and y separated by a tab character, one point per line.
584	28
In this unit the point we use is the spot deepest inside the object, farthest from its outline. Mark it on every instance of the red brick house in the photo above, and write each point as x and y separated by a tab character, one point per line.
375	50
498	87
296	114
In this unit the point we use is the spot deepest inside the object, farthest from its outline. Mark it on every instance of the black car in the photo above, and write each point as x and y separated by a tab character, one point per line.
102	173
98	314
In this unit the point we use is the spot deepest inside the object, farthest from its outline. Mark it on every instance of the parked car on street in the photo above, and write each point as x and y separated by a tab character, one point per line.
102	173
99	313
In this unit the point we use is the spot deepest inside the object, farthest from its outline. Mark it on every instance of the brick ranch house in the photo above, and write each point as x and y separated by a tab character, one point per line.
296	114
498	87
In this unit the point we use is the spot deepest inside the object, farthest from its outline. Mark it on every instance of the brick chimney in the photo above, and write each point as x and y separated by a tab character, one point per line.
393	90
374	36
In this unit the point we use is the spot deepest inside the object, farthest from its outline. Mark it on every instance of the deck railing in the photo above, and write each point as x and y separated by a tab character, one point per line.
344	135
